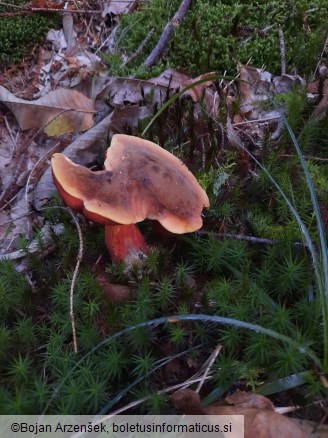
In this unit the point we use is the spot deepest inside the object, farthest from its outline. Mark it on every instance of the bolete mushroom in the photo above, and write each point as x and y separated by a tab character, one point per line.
141	180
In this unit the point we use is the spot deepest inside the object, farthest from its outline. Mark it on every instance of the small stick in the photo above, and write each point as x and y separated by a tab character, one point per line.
169	28
324	50
282	51
209	363
251	239
248	122
11	136
39	165
306	157
138	402
140	48
238	237
75	273
12	189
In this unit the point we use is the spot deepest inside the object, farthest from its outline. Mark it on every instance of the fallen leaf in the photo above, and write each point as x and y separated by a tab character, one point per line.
314	430
176	80
127	117
245	399
233	137
154	91
46	235
118	7
58	112
68	29
322	106
120	91
259	422
256	84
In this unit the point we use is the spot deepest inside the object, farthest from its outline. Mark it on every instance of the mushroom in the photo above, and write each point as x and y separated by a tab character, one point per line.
141	180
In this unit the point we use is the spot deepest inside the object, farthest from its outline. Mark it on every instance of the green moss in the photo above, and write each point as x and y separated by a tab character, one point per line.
18	33
268	285
214	35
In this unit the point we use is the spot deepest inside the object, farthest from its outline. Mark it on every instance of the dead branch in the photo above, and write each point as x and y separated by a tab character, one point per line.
282	51
324	51
169	28
140	48
75	273
37	171
250	239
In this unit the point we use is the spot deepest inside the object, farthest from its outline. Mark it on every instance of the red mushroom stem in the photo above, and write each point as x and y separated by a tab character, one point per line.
125	243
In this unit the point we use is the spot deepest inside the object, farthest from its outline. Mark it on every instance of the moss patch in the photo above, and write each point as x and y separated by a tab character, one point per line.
216	34
18	33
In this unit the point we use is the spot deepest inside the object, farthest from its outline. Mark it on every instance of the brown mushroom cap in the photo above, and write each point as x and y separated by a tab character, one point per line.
141	181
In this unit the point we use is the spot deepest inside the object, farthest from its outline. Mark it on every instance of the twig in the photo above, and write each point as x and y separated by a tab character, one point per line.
306	157
251	239
142	400
324	50
75	273
169	28
282	51
34	246
248	122
140	48
12	188
203	154
11	136
209	363
39	165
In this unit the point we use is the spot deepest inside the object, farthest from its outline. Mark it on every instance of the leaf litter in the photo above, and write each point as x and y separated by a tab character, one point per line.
74	104
260	418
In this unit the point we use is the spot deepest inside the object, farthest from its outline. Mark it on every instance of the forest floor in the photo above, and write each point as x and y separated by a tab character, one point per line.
236	311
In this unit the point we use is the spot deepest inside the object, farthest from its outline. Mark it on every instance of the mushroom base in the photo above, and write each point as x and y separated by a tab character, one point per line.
125	243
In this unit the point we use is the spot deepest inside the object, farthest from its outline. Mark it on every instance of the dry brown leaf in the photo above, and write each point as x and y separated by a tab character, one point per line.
68	28
58	112
256	84
233	137
127	117
313	429
243	399
121	91
322	106
46	235
174	79
118	7
259	423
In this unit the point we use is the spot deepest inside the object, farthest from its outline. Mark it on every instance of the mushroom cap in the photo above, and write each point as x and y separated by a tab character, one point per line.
141	180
